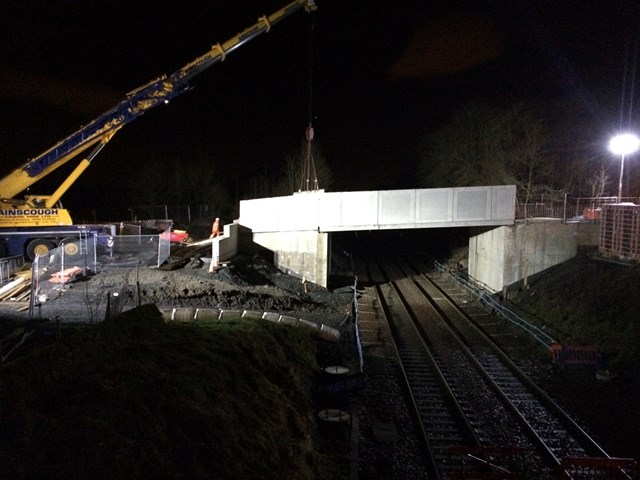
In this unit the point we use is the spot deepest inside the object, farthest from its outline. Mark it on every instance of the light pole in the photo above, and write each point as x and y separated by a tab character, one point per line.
623	144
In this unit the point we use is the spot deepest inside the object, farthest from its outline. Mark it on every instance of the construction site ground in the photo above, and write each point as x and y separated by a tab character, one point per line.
248	282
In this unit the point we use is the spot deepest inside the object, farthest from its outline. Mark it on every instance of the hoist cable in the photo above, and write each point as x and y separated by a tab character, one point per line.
312	24
308	164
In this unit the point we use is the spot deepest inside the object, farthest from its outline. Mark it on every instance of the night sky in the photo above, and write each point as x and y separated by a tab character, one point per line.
385	72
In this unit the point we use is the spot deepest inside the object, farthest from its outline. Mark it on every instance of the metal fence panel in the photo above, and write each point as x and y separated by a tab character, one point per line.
620	231
9	266
566	207
53	272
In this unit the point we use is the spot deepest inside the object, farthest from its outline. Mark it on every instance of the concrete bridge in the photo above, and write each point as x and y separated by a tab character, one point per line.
297	227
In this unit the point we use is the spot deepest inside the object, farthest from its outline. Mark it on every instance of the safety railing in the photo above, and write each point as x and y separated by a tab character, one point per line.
356	316
483	296
9	266
567	208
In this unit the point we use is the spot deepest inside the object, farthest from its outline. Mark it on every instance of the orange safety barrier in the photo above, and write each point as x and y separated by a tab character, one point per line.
575	355
591	213
66	276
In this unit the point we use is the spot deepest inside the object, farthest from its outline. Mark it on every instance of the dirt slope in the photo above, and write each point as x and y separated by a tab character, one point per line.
591	301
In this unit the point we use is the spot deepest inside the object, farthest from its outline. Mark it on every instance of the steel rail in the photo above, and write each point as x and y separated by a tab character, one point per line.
584	439
420	313
555	454
444	420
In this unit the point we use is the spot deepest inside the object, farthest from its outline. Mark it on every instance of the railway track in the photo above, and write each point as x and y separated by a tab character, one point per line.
477	411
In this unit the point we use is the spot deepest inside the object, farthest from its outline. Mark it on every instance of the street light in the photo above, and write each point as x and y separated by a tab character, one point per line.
623	144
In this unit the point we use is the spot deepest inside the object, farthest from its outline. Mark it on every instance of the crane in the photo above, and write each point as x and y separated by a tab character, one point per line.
23	216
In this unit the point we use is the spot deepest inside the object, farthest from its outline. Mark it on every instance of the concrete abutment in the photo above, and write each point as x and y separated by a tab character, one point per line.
508	255
303	254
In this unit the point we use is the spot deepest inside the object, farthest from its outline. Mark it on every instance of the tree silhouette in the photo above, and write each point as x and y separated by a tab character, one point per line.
486	145
304	170
199	180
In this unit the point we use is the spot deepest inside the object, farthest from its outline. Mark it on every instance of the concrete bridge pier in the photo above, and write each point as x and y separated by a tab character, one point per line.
305	254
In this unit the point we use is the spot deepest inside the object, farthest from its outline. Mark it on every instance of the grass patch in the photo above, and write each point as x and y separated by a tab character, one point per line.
136	398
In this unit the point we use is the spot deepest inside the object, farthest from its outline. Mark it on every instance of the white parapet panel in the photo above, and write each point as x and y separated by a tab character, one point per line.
299	211
397	207
343	211
378	210
472	203
503	206
330	209
261	214
359	209
434	205
485	204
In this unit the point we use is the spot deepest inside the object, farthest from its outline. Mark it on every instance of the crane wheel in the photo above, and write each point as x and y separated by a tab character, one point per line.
38	247
71	246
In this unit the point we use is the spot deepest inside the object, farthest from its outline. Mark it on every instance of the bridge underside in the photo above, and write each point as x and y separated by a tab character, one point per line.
296	228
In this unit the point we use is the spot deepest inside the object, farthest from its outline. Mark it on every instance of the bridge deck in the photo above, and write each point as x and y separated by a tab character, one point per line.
381	210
